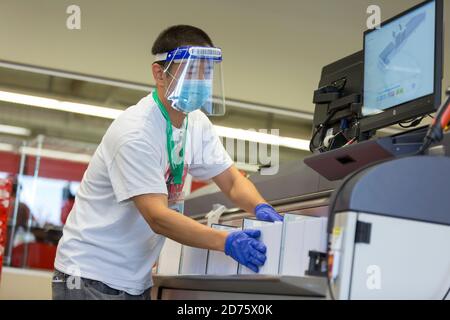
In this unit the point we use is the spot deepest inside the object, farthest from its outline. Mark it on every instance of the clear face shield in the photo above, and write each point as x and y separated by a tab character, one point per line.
196	79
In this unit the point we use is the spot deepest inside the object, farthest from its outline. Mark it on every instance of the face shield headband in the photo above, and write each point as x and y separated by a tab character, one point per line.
196	79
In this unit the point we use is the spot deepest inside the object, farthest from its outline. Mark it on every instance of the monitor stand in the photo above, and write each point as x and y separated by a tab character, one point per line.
337	164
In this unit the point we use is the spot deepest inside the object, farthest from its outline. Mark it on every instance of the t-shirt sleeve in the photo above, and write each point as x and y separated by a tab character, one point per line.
210	157
135	170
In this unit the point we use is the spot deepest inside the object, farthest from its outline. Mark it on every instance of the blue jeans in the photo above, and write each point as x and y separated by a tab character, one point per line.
87	289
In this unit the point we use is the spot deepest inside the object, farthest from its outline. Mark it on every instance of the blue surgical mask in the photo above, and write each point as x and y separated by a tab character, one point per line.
193	95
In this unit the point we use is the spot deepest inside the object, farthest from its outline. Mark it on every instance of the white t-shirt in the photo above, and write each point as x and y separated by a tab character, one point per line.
105	237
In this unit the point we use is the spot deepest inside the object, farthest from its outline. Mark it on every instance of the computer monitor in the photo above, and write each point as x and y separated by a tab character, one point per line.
403	67
348	71
338	102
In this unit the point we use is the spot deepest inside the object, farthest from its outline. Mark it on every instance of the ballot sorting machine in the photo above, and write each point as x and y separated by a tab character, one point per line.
389	234
296	191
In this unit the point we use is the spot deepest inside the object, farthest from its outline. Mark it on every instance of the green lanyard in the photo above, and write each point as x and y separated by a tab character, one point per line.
176	168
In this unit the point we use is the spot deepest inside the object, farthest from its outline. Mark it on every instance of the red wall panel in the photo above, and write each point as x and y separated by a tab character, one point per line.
56	169
49	168
9	162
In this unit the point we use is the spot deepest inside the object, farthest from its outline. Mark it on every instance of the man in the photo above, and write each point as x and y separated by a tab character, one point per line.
131	195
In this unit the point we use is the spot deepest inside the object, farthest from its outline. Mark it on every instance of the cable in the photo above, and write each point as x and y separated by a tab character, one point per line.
436	130
312	146
411	120
445	119
446	295
318	129
411	123
333	140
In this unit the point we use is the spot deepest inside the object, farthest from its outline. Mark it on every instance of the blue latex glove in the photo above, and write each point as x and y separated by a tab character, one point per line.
244	247
266	212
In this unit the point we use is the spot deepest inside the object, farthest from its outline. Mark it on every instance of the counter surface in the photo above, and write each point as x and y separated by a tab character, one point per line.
313	287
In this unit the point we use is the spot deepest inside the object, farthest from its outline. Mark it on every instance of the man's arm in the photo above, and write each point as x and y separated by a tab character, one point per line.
241	191
176	226
242	246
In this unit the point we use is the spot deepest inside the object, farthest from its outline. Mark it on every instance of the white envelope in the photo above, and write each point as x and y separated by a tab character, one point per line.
301	234
218	263
271	237
323	246
169	258
291	257
193	261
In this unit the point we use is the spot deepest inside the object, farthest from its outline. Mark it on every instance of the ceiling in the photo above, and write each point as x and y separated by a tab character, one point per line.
274	52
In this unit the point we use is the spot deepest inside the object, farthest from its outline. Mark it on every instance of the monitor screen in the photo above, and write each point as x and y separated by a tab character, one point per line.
399	60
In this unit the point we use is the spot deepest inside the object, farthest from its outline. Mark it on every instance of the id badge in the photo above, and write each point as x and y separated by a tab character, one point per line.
177	202
178	207
176	195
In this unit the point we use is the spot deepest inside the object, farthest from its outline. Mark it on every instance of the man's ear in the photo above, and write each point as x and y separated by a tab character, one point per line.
158	74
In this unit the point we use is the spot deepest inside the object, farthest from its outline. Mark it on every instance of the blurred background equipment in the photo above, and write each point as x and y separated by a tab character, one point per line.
5	205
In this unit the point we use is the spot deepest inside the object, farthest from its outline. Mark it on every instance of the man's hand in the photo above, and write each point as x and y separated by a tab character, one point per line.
266	212
244	247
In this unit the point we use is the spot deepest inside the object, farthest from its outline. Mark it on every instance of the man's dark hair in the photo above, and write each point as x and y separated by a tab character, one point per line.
180	35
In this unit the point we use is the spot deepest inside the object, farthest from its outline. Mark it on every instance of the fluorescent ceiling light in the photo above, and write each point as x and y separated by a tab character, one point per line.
6	147
18	131
85	158
259	137
48	153
111	113
55	154
53	104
